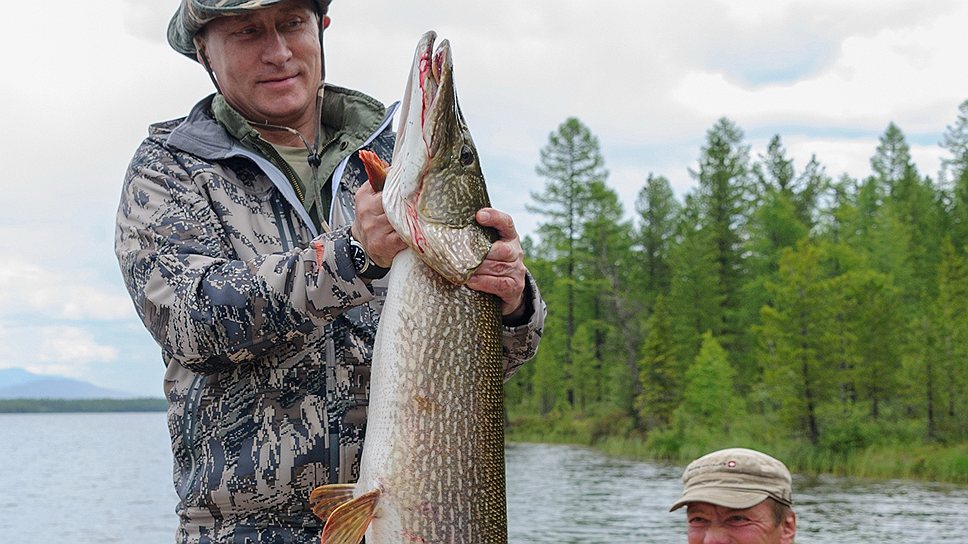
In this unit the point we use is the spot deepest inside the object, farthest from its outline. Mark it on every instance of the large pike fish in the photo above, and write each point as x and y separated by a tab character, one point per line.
433	456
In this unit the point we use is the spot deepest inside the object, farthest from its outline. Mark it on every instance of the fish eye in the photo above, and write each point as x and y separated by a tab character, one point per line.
466	155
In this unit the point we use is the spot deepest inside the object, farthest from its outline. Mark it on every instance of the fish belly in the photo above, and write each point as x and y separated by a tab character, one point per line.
435	430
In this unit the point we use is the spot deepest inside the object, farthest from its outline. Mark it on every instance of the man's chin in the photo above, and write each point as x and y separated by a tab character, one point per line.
283	110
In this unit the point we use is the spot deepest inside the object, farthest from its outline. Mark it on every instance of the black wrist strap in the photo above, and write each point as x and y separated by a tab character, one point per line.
365	267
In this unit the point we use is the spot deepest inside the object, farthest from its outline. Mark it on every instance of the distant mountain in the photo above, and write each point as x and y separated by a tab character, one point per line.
16	383
10	377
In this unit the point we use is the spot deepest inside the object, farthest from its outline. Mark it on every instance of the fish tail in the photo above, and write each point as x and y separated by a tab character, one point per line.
348	522
326	498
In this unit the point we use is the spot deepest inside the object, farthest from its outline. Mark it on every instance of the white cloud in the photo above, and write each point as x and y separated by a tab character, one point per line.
53	350
60	345
900	74
30	289
648	78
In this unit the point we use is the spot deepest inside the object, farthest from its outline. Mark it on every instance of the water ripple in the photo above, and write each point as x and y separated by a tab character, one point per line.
100	478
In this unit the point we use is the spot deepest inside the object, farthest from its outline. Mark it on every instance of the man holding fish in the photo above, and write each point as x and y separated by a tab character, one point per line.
255	252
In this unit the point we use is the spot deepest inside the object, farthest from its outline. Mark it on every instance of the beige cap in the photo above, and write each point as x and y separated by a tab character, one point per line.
735	478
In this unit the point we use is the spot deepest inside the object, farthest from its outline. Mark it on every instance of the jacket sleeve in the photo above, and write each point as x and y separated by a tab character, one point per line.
521	342
207	310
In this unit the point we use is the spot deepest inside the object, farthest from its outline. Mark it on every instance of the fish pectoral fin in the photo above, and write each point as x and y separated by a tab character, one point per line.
348	522
375	167
326	498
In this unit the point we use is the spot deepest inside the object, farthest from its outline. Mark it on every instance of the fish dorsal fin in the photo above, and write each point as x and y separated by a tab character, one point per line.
326	498
349	521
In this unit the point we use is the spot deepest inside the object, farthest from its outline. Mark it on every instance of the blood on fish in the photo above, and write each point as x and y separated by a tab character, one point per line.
413	223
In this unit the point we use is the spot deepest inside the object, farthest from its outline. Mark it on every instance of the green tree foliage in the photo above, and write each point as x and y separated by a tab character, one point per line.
768	303
658	211
660	371
946	395
954	176
709	402
775	175
572	163
82	405
795	337
723	195
605	262
695	297
869	332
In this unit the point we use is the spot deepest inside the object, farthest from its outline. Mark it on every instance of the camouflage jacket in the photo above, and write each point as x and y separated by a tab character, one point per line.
265	328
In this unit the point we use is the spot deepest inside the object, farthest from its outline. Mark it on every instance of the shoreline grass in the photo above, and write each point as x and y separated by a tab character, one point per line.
923	462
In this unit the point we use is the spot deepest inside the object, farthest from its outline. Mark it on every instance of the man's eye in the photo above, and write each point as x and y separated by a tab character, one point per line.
697	521
737	520
294	23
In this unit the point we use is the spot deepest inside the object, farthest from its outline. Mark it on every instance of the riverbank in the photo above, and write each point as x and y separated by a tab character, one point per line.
906	461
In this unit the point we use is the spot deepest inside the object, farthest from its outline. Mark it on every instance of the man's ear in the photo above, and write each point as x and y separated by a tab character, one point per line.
203	60
200	51
326	21
789	528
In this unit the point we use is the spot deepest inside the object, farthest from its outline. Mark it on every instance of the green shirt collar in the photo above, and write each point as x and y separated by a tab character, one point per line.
345	111
347	120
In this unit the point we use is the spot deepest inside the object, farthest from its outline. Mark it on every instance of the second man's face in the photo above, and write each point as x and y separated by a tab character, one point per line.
710	524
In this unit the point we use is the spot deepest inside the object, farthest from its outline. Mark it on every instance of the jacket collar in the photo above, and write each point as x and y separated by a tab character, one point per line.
201	134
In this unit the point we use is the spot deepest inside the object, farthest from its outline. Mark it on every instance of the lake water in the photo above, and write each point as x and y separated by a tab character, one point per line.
105	478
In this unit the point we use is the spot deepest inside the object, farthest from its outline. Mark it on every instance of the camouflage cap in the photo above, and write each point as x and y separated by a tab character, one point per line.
735	478
193	15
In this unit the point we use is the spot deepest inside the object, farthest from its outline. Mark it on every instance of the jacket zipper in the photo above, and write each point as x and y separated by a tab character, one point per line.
190	428
287	170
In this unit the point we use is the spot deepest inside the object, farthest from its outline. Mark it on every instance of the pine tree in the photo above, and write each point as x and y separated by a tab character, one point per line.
774	228
657	210
709	402
695	296
795	336
914	205
811	185
870	332
774	172
892	162
954	175
571	161
660	371
945	371
607	279
541	382
723	195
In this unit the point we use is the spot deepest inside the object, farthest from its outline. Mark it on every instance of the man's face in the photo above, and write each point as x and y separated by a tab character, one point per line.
710	524
268	62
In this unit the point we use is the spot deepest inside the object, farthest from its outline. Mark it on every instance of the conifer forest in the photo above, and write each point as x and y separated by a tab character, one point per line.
775	305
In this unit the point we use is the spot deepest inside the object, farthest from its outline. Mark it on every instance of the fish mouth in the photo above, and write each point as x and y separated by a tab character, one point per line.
435	185
428	91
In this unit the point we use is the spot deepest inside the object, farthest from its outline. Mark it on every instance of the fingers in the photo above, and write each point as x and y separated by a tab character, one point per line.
503	279
500	221
503	271
373	229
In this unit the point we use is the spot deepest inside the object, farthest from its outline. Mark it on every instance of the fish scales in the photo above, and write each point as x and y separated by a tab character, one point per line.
436	412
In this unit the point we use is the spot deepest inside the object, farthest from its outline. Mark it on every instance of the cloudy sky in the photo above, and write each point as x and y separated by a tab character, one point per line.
647	77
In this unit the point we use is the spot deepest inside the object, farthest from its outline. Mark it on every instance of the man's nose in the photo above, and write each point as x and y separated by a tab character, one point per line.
717	534
276	48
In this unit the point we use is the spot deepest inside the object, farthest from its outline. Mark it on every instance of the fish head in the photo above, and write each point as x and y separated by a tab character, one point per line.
435	185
